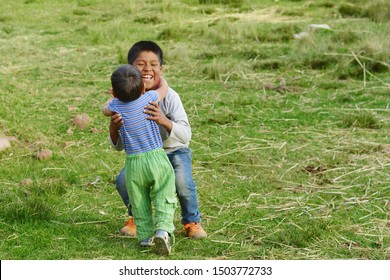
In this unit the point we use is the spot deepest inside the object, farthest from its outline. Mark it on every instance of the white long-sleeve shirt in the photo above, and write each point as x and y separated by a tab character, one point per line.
180	136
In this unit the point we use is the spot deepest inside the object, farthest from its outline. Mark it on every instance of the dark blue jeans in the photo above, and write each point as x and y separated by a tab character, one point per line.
181	161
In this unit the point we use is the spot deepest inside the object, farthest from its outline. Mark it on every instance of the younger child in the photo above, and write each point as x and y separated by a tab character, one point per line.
150	177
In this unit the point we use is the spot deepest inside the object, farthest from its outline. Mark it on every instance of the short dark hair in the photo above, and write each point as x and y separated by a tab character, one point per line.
142	46
127	83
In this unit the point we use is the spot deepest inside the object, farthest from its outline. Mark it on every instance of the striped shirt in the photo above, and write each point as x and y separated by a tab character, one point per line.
139	134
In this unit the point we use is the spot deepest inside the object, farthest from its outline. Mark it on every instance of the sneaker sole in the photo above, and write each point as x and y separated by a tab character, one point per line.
146	243
162	246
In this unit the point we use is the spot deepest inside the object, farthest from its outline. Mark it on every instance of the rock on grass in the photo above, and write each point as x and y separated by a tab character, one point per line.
4	144
82	121
44	154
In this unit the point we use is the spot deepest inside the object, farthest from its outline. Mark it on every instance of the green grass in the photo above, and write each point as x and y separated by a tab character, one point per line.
291	143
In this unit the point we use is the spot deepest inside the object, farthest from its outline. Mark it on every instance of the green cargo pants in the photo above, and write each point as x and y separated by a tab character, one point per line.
150	182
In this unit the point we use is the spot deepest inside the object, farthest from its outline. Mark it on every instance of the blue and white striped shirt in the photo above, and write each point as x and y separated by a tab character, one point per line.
139	134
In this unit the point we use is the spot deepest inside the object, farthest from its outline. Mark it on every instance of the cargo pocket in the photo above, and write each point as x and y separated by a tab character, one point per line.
172	200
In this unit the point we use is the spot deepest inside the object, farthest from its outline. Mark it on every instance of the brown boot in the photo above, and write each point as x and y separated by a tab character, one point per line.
195	230
129	229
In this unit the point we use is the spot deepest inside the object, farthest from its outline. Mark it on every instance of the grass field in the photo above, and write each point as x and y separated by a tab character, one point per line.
290	122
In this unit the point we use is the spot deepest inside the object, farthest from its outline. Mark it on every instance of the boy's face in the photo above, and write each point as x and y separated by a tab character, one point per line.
149	65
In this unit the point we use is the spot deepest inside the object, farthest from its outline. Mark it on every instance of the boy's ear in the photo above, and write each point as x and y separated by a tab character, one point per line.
143	88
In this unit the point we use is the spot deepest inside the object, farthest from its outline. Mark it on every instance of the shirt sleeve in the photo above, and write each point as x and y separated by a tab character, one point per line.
111	106
119	144
181	130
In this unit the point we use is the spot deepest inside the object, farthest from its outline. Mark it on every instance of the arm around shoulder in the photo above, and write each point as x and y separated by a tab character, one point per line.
162	90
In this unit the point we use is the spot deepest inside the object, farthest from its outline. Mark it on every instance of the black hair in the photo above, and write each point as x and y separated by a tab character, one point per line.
142	46
127	83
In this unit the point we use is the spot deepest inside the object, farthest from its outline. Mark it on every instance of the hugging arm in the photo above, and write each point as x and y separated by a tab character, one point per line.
162	90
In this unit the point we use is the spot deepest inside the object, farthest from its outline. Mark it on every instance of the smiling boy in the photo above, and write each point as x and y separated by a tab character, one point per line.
175	131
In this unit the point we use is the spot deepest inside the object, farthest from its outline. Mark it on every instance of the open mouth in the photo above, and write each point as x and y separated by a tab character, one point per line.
147	77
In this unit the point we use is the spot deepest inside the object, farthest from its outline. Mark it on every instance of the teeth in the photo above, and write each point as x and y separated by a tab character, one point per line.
147	77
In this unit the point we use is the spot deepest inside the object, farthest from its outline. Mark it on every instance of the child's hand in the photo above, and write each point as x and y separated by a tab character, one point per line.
154	112
116	121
